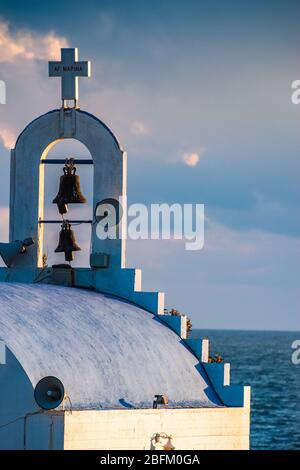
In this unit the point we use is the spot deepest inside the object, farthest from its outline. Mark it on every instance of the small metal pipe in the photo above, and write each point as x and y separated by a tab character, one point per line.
58	161
61	221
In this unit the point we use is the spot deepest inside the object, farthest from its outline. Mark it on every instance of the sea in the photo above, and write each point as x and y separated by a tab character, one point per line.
263	360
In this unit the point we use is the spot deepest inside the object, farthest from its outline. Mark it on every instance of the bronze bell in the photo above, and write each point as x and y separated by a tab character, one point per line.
69	188
67	242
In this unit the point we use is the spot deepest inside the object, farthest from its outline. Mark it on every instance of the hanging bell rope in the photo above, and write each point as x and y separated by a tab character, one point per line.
69	188
67	241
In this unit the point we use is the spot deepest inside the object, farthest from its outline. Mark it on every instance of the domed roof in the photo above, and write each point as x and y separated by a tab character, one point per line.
107	352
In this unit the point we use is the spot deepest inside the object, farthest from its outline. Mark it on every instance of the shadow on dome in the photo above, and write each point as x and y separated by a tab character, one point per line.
16	402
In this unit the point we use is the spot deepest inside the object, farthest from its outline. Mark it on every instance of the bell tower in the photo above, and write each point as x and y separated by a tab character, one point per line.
106	271
30	156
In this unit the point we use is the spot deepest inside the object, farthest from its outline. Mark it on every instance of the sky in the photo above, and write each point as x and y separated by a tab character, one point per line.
199	95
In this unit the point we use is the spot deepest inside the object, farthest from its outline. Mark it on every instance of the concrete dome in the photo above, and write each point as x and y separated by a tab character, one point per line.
107	352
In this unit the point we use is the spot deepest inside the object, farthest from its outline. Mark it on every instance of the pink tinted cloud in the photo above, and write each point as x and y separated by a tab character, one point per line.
28	45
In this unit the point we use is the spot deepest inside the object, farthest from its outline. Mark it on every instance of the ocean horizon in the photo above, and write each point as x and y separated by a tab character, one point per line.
262	359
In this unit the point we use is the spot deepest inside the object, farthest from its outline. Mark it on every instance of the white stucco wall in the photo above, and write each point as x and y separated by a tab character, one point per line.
191	429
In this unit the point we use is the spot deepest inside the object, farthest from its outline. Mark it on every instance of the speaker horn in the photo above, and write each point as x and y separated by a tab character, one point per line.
10	251
49	392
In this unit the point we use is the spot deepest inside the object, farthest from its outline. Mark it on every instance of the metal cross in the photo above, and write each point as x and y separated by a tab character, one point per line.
69	69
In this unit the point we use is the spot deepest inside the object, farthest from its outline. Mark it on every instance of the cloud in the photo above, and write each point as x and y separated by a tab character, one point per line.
139	129
4	224
240	279
192	159
8	138
27	45
224	240
106	23
28	91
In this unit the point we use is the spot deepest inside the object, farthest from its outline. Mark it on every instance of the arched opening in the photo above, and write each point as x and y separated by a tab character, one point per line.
46	134
50	173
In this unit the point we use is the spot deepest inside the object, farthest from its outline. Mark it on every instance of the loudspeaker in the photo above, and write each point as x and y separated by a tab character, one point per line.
49	393
9	251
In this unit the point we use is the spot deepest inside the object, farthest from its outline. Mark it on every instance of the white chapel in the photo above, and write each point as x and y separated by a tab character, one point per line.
88	360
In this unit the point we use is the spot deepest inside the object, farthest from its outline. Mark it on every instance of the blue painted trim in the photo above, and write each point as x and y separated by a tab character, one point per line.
173	321
230	395
196	346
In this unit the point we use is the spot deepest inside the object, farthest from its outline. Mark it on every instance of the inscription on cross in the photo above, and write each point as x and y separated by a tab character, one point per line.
69	69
